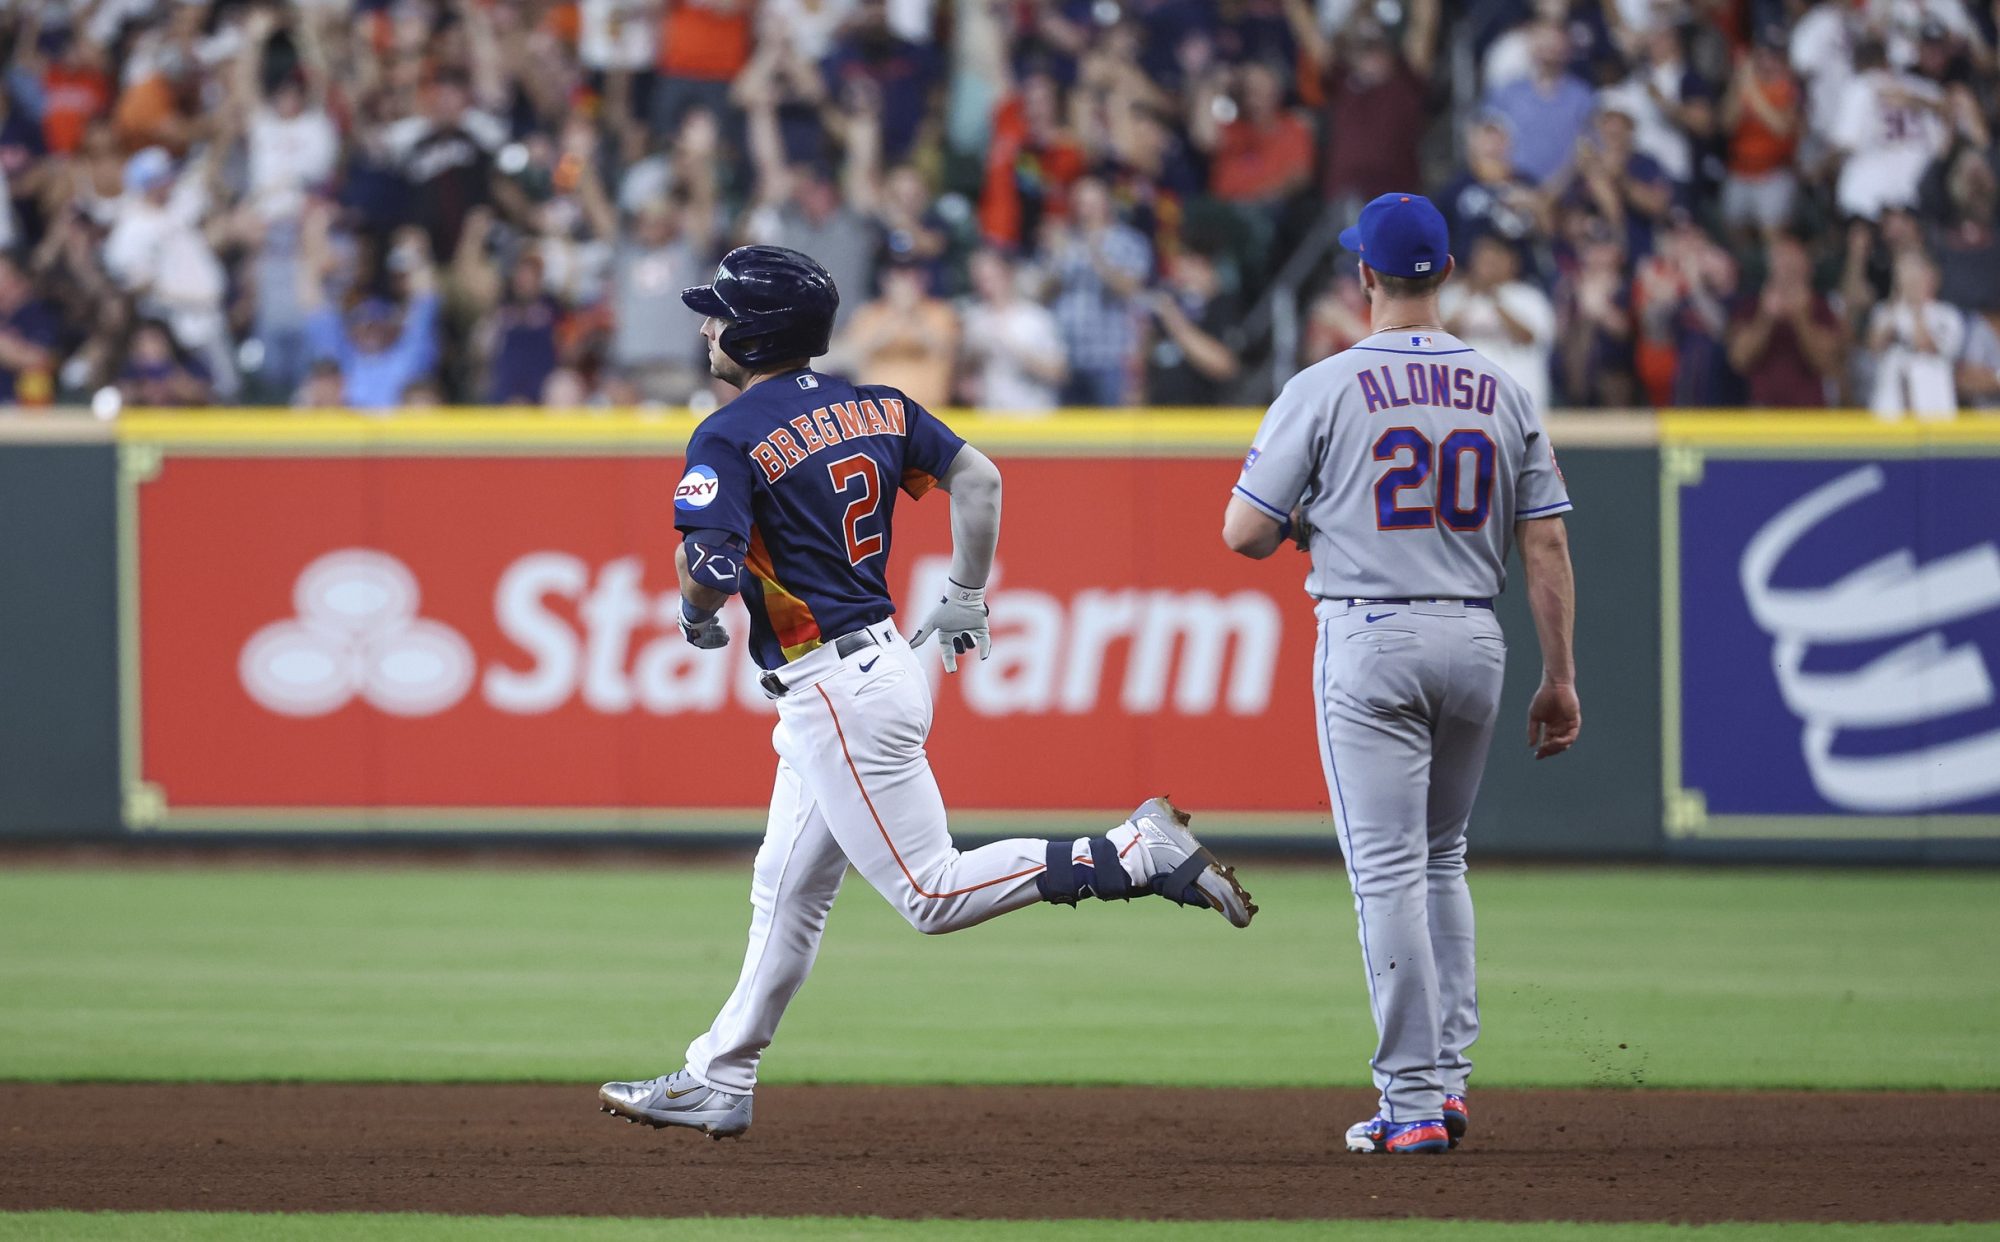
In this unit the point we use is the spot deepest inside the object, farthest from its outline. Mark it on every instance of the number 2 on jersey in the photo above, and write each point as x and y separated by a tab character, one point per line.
1447	461
846	473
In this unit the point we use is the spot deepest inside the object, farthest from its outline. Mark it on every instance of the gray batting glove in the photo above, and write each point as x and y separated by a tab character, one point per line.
706	634
959	620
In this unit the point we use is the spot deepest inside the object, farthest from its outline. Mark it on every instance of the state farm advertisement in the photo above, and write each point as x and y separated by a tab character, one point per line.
335	633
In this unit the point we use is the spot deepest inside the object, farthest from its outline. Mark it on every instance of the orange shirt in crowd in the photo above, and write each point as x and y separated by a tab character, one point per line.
74	98
1254	163
1754	148
705	39
148	114
1015	171
908	350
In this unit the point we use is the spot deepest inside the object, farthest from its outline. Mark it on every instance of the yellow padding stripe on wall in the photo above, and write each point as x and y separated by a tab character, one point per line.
1089	432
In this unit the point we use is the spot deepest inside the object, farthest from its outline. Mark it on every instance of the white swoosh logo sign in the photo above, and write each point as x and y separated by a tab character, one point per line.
1923	679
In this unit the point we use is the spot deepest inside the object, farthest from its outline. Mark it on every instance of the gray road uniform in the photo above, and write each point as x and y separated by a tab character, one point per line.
1412	457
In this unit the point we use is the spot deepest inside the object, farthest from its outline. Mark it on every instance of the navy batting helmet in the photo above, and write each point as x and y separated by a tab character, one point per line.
779	304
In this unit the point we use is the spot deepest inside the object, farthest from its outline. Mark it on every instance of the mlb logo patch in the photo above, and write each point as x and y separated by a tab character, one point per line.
1424	266
809	382
1250	459
1421	342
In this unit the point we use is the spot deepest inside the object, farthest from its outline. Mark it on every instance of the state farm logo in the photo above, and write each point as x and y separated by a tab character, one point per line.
575	633
357	634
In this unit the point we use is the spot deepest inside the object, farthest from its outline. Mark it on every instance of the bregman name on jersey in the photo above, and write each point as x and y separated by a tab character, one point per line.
826	426
1429	383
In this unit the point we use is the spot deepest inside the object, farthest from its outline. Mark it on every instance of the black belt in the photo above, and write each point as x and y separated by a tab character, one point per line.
1469	603
844	646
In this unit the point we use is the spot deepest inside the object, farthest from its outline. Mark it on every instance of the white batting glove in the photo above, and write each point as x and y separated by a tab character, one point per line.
959	620
707	634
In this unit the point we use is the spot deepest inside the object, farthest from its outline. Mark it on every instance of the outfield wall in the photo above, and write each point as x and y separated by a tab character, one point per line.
310	625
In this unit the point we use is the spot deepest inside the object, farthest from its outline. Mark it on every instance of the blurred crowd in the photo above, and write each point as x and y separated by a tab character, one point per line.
391	204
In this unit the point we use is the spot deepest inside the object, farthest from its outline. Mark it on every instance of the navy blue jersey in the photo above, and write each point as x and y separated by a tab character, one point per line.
804	468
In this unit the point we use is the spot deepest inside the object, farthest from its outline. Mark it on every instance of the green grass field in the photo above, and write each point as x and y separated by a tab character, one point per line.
1590	976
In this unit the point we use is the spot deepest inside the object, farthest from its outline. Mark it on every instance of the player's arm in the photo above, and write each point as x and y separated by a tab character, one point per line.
1250	531
959	620
712	512
1554	717
1263	510
710	565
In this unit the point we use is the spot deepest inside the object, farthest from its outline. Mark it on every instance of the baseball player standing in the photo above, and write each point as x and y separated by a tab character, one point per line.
1406	465
788	500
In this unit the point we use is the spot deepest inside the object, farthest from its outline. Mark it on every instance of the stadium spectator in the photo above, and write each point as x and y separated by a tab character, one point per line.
159	254
1965	239
1338	318
656	340
1193	355
1376	103
905	338
75	88
1099	267
1489	197
1594	323
799	206
1820	48
292	145
1489	307
1785	341
1889	127
1761	112
381	352
1032	162
157	373
321	388
1618	182
703	45
519	336
620	145
1916	340
1979	365
1670	105
1011	350
1547	112
445	155
871	58
1680	308
1263	153
155	104
29	332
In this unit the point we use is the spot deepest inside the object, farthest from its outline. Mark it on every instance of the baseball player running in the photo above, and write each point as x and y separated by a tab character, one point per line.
788	499
1406	465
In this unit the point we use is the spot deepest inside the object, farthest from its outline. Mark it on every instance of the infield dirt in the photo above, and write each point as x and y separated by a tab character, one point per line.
996	1152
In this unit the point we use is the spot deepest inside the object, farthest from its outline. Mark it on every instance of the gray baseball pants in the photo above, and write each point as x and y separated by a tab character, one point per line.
1407	695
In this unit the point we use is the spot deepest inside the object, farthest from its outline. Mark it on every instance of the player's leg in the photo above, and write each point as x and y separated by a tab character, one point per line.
882	805
797	874
857	740
1460	739
796	877
1375	745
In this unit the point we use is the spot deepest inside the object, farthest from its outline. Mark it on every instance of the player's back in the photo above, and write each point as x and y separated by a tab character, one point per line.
804	467
1421	454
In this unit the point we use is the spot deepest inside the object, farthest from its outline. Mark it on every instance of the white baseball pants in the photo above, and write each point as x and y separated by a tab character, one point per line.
1407	696
854	786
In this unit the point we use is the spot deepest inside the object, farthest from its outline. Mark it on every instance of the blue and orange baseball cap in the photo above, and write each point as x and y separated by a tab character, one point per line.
1401	235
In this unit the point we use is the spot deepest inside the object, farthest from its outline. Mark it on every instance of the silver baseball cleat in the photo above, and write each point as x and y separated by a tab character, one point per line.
677	1099
1183	869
